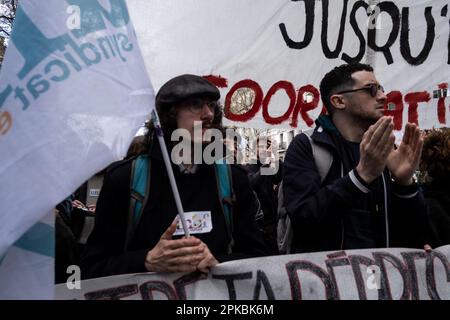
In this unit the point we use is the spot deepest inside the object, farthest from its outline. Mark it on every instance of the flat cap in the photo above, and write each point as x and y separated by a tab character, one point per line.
183	87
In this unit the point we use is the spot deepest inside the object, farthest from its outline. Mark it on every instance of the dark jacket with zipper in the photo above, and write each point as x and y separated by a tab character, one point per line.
344	212
104	254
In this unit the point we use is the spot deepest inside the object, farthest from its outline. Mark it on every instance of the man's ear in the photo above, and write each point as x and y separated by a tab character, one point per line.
338	101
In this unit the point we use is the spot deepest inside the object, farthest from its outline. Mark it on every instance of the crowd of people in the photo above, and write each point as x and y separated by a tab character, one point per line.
345	186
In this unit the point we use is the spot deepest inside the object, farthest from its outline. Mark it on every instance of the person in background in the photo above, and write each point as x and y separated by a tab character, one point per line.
264	182
435	164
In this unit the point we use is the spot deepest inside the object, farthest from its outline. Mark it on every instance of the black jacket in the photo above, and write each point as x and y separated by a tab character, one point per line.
437	196
264	186
66	249
104	254
343	212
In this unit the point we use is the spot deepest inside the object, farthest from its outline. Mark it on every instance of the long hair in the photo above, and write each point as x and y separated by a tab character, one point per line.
136	147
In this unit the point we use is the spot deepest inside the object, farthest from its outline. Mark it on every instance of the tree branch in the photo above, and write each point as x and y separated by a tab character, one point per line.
8	34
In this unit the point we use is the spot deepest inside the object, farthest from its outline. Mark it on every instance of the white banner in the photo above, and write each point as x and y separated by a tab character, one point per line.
73	93
347	275
281	49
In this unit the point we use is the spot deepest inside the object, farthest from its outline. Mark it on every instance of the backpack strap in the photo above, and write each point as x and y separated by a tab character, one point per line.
226	196
139	187
139	193
284	229
323	159
322	156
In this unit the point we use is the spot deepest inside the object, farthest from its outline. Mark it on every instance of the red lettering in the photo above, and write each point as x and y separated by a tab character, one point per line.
441	104
396	98
303	107
5	122
218	81
290	91
394	106
249	114
413	100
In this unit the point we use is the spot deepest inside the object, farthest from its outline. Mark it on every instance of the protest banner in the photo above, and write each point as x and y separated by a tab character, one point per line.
280	50
73	92
384	274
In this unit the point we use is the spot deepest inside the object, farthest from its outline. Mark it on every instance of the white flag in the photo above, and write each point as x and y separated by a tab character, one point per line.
27	270
73	92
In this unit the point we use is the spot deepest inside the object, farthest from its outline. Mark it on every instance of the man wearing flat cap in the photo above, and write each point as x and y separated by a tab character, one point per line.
156	244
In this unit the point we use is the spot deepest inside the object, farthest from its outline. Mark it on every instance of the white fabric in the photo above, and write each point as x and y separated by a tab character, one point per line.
75	125
242	39
394	273
27	273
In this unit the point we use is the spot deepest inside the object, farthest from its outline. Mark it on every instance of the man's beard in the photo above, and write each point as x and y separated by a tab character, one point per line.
206	138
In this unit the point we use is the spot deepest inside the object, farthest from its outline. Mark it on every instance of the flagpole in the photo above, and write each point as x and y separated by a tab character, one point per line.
168	163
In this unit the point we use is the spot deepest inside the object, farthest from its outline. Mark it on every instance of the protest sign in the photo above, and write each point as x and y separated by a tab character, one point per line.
373	274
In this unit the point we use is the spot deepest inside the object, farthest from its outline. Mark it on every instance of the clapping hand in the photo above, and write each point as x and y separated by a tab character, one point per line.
403	161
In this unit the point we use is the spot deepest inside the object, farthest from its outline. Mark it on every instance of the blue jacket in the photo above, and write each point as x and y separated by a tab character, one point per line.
340	212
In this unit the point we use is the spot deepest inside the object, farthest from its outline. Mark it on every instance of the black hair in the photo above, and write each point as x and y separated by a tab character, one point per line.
340	78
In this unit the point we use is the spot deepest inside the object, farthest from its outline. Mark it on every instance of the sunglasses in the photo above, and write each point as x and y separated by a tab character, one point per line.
372	89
